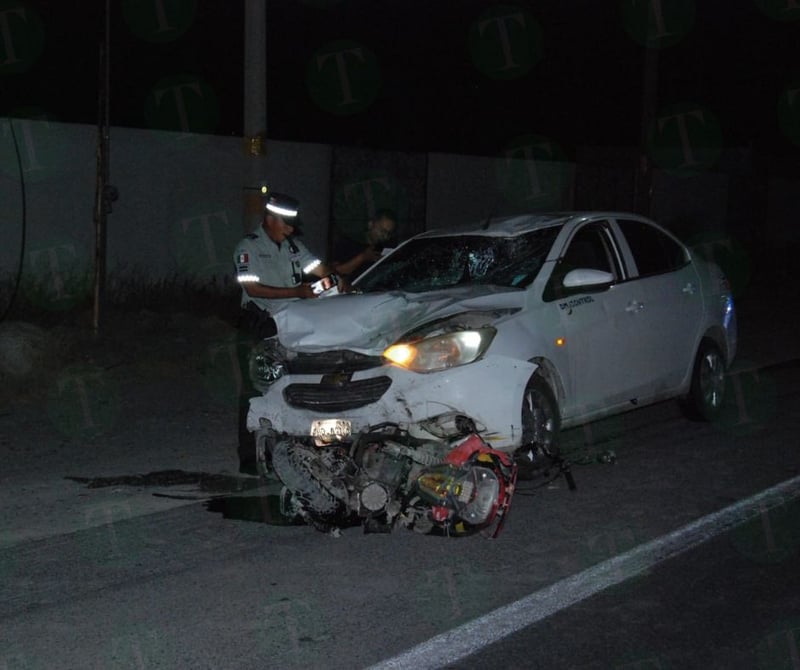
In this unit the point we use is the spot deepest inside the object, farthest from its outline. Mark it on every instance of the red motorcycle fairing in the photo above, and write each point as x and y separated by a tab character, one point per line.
472	489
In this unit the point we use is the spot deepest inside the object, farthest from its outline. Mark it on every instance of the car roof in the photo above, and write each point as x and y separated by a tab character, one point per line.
509	226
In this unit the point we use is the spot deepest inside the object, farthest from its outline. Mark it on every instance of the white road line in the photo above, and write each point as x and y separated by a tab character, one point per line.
469	638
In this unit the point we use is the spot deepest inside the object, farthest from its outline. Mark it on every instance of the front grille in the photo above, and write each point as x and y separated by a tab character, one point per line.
328	362
336	397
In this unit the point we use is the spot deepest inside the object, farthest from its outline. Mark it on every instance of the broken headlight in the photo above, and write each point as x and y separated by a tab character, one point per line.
441	351
266	365
471	492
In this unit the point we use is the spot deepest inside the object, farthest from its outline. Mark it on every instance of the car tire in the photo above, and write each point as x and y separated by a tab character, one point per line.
707	391
541	422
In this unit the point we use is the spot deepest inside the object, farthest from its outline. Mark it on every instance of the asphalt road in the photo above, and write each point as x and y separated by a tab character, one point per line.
732	603
208	583
191	569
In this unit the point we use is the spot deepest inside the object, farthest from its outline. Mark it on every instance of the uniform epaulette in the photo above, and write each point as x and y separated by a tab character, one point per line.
251	236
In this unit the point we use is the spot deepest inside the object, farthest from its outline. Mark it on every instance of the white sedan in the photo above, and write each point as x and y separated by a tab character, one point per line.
514	327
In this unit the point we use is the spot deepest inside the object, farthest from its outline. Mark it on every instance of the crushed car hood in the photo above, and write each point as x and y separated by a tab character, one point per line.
368	323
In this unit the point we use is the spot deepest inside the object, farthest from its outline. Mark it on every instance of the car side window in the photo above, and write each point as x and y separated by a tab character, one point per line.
589	249
653	251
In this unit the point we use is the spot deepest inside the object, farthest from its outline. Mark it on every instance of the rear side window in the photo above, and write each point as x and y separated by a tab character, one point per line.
653	251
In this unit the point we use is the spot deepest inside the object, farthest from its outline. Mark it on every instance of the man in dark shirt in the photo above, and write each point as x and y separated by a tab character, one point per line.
351	257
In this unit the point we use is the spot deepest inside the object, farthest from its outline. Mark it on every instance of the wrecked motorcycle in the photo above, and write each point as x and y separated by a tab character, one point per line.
384	478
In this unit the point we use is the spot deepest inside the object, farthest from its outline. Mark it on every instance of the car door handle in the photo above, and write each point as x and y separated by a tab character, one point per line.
634	306
688	289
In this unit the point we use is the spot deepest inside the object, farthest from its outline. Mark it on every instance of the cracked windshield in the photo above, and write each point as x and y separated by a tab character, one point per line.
433	263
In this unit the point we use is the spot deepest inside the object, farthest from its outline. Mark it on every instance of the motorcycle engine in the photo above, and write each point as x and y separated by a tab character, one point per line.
387	469
379	465
383	473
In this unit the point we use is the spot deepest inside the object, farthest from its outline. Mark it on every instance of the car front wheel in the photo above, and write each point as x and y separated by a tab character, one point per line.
704	401
541	421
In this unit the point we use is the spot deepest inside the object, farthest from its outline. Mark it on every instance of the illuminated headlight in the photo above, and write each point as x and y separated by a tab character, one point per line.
265	367
442	351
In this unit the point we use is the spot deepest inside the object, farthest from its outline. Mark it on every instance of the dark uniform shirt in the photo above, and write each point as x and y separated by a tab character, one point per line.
347	248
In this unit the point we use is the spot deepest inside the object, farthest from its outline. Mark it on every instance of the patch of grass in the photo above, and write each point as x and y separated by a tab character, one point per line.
70	301
215	296
149	329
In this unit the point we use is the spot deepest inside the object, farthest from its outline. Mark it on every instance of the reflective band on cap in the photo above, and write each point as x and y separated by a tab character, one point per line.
281	211
313	264
247	279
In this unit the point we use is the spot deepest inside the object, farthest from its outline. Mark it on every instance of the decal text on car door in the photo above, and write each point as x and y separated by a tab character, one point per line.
569	304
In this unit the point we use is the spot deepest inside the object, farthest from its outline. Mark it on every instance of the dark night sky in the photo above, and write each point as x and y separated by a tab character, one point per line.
429	81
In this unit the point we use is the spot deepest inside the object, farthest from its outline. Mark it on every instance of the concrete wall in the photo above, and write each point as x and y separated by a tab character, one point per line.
180	210
181	206
364	180
469	188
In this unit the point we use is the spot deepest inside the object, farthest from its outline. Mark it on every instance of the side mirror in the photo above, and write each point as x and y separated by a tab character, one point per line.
587	277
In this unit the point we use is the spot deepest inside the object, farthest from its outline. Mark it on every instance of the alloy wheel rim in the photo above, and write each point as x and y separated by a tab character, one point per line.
712	380
540	423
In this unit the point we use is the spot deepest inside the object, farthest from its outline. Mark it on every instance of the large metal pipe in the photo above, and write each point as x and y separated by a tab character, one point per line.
255	109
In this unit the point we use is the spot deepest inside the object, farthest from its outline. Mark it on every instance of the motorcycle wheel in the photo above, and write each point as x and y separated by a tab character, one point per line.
263	457
541	423
295	465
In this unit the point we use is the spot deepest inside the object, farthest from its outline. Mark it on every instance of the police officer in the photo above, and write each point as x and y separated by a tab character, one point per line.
270	265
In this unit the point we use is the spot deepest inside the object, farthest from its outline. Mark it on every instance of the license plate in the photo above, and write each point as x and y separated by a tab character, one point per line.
331	430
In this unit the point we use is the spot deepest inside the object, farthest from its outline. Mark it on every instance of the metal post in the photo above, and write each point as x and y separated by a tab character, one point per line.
103	189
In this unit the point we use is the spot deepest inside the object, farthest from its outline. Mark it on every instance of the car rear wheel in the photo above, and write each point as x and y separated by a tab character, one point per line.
704	401
541	422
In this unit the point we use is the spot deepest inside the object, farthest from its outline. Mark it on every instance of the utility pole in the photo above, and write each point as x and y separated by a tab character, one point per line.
104	192
255	110
643	183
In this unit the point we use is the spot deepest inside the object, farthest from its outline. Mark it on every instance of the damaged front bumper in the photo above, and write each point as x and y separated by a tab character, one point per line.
488	391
